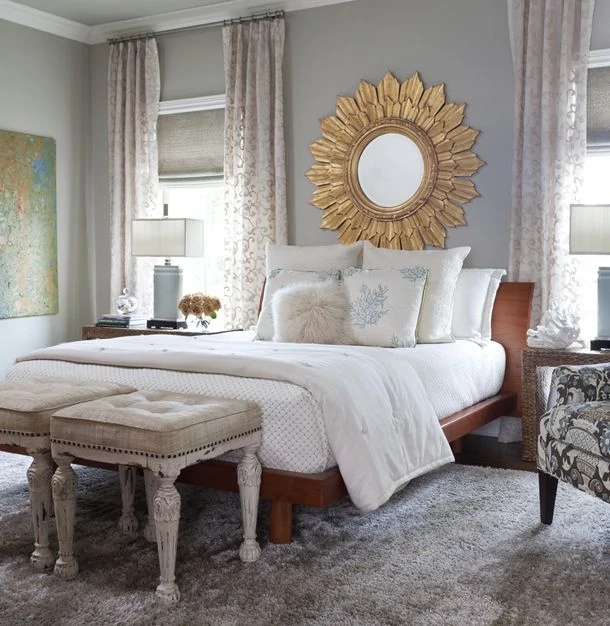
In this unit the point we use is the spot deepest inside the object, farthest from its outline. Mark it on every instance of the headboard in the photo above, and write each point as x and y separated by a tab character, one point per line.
509	323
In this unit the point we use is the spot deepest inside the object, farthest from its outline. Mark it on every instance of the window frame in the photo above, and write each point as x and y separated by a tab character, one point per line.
200	103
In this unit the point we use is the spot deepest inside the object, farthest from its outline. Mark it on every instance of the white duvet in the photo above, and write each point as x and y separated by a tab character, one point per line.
380	423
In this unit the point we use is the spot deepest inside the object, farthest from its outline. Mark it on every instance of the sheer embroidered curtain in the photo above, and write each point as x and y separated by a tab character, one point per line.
134	86
255	177
550	47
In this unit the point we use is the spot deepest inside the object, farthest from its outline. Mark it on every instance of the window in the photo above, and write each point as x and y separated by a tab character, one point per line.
200	200
595	191
595	188
190	136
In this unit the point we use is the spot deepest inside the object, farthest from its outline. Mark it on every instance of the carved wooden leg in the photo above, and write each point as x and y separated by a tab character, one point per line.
127	477
280	522
63	484
249	481
39	483
547	489
167	517
151	484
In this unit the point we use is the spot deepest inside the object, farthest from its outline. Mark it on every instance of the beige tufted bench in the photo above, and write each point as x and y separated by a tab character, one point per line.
25	412
163	433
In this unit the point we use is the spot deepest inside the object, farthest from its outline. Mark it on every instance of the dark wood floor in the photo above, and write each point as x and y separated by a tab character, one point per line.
480	450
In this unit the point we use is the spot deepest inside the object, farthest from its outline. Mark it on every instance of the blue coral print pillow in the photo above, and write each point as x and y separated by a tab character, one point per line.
385	304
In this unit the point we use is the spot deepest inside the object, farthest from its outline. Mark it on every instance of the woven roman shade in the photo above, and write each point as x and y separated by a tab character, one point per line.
191	145
598	109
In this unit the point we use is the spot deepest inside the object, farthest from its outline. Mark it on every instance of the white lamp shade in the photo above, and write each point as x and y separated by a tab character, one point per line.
590	229
167	237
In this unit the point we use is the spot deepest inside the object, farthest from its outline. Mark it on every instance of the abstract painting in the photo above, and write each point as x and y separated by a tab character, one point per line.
28	226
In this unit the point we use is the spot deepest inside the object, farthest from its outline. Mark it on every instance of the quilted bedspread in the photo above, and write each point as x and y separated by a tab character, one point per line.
380	423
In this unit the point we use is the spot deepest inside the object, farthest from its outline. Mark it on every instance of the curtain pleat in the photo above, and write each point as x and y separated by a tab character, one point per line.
134	87
550	46
255	176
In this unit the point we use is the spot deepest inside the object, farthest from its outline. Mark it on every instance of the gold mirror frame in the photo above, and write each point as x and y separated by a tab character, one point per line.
434	126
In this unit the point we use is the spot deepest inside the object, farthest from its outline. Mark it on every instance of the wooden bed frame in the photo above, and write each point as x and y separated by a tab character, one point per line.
283	489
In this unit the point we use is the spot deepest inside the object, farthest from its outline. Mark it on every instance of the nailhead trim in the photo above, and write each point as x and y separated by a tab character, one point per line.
23	434
206	446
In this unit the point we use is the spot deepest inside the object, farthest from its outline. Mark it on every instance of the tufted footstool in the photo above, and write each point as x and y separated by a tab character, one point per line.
162	433
26	407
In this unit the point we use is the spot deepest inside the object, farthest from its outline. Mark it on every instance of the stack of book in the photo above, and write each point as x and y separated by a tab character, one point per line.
122	321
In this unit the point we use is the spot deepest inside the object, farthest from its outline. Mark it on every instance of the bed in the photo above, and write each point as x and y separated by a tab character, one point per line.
310	476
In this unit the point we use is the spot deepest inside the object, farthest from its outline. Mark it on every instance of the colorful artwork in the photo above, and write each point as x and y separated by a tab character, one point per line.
28	226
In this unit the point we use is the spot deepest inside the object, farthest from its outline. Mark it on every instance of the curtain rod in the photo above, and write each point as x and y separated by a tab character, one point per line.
237	20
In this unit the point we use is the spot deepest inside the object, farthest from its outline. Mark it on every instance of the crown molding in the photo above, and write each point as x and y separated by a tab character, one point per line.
199	16
229	9
40	20
599	58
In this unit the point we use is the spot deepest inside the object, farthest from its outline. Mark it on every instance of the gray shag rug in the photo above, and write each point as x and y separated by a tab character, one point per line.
461	545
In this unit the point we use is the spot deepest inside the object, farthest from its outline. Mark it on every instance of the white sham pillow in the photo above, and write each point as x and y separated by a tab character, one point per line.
278	278
443	267
475	294
385	305
313	258
311	313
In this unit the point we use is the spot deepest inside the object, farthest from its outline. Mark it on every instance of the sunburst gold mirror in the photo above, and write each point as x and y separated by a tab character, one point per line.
392	165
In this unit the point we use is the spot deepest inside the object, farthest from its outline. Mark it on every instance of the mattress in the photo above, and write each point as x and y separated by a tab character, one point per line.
454	375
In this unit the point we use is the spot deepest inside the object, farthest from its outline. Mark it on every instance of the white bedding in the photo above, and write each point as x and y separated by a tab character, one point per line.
301	428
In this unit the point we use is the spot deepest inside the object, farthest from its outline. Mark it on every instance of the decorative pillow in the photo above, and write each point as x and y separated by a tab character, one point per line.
313	258
385	305
311	313
278	278
443	270
475	294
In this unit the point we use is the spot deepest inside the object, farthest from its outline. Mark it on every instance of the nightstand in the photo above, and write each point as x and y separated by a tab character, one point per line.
108	332
536	367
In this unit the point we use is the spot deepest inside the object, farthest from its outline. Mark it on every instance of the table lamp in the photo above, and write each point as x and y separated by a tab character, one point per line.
590	234
167	237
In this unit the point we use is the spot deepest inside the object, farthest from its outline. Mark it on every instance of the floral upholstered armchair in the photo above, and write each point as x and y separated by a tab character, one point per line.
574	435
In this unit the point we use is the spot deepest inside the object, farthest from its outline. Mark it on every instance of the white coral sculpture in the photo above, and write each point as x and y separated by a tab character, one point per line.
558	328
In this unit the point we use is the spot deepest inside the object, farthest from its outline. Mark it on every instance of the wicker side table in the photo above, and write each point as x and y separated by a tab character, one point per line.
108	332
535	383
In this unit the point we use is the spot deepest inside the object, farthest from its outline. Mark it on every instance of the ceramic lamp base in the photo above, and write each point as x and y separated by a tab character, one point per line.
167	291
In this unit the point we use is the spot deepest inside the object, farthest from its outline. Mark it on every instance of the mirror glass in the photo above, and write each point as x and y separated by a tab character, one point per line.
390	169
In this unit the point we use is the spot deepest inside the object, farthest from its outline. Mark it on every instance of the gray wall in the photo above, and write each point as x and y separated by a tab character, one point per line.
45	91
56	87
192	64
328	51
462	44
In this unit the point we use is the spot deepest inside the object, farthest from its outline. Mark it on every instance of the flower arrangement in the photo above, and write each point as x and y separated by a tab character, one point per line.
199	306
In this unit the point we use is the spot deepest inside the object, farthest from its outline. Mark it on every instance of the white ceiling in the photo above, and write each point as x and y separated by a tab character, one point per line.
93	21
95	12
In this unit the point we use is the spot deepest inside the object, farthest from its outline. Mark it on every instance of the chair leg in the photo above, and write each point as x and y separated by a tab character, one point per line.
249	481
167	517
547	486
39	483
128	521
64	483
151	484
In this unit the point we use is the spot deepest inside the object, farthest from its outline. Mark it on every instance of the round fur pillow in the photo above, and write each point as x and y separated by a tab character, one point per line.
311	313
